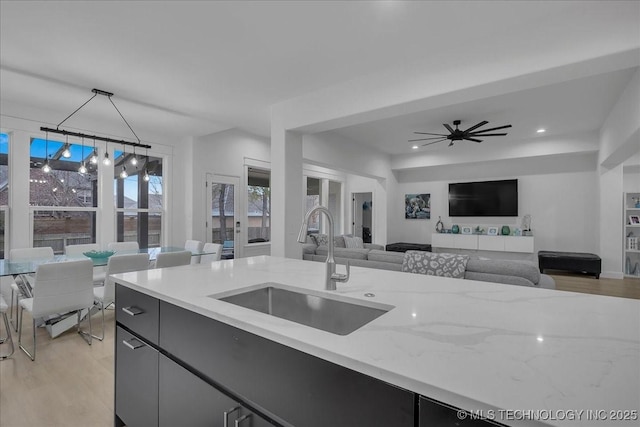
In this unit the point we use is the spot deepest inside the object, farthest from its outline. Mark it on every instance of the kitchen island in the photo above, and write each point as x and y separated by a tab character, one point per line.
515	355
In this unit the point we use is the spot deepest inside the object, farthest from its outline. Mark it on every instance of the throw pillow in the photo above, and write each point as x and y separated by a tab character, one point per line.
321	239
353	242
445	265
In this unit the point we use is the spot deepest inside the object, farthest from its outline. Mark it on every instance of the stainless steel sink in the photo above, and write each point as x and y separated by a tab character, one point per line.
338	315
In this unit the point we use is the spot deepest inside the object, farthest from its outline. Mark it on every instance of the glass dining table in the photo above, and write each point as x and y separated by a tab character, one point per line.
13	268
60	324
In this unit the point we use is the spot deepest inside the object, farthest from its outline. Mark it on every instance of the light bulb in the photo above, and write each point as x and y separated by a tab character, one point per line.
134	161
66	153
83	168
46	168
146	176
124	173
94	158
106	161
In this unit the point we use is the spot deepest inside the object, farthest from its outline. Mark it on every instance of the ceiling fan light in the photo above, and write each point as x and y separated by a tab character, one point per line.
541	130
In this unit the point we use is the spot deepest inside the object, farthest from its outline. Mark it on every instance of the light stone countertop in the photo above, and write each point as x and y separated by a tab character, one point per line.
561	357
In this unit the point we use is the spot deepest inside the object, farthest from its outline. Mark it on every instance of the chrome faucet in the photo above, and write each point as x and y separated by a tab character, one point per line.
331	277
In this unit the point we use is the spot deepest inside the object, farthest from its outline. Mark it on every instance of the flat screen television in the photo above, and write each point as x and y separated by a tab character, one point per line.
487	198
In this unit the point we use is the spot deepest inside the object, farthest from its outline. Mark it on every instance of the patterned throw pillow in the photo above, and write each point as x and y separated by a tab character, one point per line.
445	265
320	239
353	242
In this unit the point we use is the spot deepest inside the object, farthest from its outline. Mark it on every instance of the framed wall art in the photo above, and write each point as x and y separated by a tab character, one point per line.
417	206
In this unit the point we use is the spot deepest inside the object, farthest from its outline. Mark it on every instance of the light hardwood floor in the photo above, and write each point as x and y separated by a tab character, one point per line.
71	384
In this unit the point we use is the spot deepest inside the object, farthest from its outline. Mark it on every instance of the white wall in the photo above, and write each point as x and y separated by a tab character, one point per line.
563	209
222	153
366	171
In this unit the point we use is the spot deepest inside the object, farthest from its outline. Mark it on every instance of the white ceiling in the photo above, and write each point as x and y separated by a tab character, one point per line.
192	68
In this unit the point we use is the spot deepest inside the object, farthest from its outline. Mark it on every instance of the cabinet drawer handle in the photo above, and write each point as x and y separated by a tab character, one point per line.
227	413
242	418
132	310
133	343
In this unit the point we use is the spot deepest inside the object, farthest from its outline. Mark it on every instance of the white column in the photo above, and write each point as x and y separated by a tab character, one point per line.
286	191
19	170
611	221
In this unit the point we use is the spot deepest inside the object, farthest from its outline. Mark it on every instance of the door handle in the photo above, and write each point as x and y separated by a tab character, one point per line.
132	310
242	418
133	343
225	415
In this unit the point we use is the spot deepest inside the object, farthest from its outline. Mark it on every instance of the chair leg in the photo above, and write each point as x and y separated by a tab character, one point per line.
15	324
86	336
9	338
31	356
102	309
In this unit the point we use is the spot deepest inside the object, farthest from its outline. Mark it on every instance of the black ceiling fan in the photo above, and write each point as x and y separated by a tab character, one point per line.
456	134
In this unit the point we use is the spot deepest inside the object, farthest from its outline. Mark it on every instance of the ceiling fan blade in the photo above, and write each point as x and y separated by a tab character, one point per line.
482	123
473	139
449	128
486	134
429	143
426	139
426	133
499	127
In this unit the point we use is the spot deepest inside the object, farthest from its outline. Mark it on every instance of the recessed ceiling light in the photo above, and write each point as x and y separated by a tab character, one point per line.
541	130
415	147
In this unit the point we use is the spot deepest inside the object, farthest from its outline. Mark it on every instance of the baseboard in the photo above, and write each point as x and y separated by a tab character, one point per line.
612	275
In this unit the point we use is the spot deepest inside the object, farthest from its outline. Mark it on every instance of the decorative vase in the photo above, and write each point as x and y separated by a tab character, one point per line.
455	229
506	230
439	226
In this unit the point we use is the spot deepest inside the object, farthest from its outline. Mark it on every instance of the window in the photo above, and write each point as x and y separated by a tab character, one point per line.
63	200
4	189
259	205
138	199
322	191
314	193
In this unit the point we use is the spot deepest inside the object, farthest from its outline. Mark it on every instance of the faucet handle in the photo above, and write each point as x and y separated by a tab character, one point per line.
342	277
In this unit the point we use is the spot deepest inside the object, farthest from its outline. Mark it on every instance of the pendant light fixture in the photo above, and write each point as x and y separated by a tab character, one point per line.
123	172
106	161
66	153
146	176
83	168
94	155
46	168
134	160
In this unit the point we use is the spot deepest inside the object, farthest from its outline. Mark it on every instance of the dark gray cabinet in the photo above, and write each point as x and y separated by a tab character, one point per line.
436	414
136	376
286	385
187	400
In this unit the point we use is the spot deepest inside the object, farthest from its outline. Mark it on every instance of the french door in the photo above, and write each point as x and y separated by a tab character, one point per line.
223	214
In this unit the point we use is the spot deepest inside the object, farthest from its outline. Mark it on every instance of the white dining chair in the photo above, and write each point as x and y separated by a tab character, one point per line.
77	251
194	246
21	286
60	287
123	246
213	252
106	295
173	259
9	339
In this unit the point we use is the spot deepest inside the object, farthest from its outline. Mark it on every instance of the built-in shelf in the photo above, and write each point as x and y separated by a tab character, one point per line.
521	244
631	261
